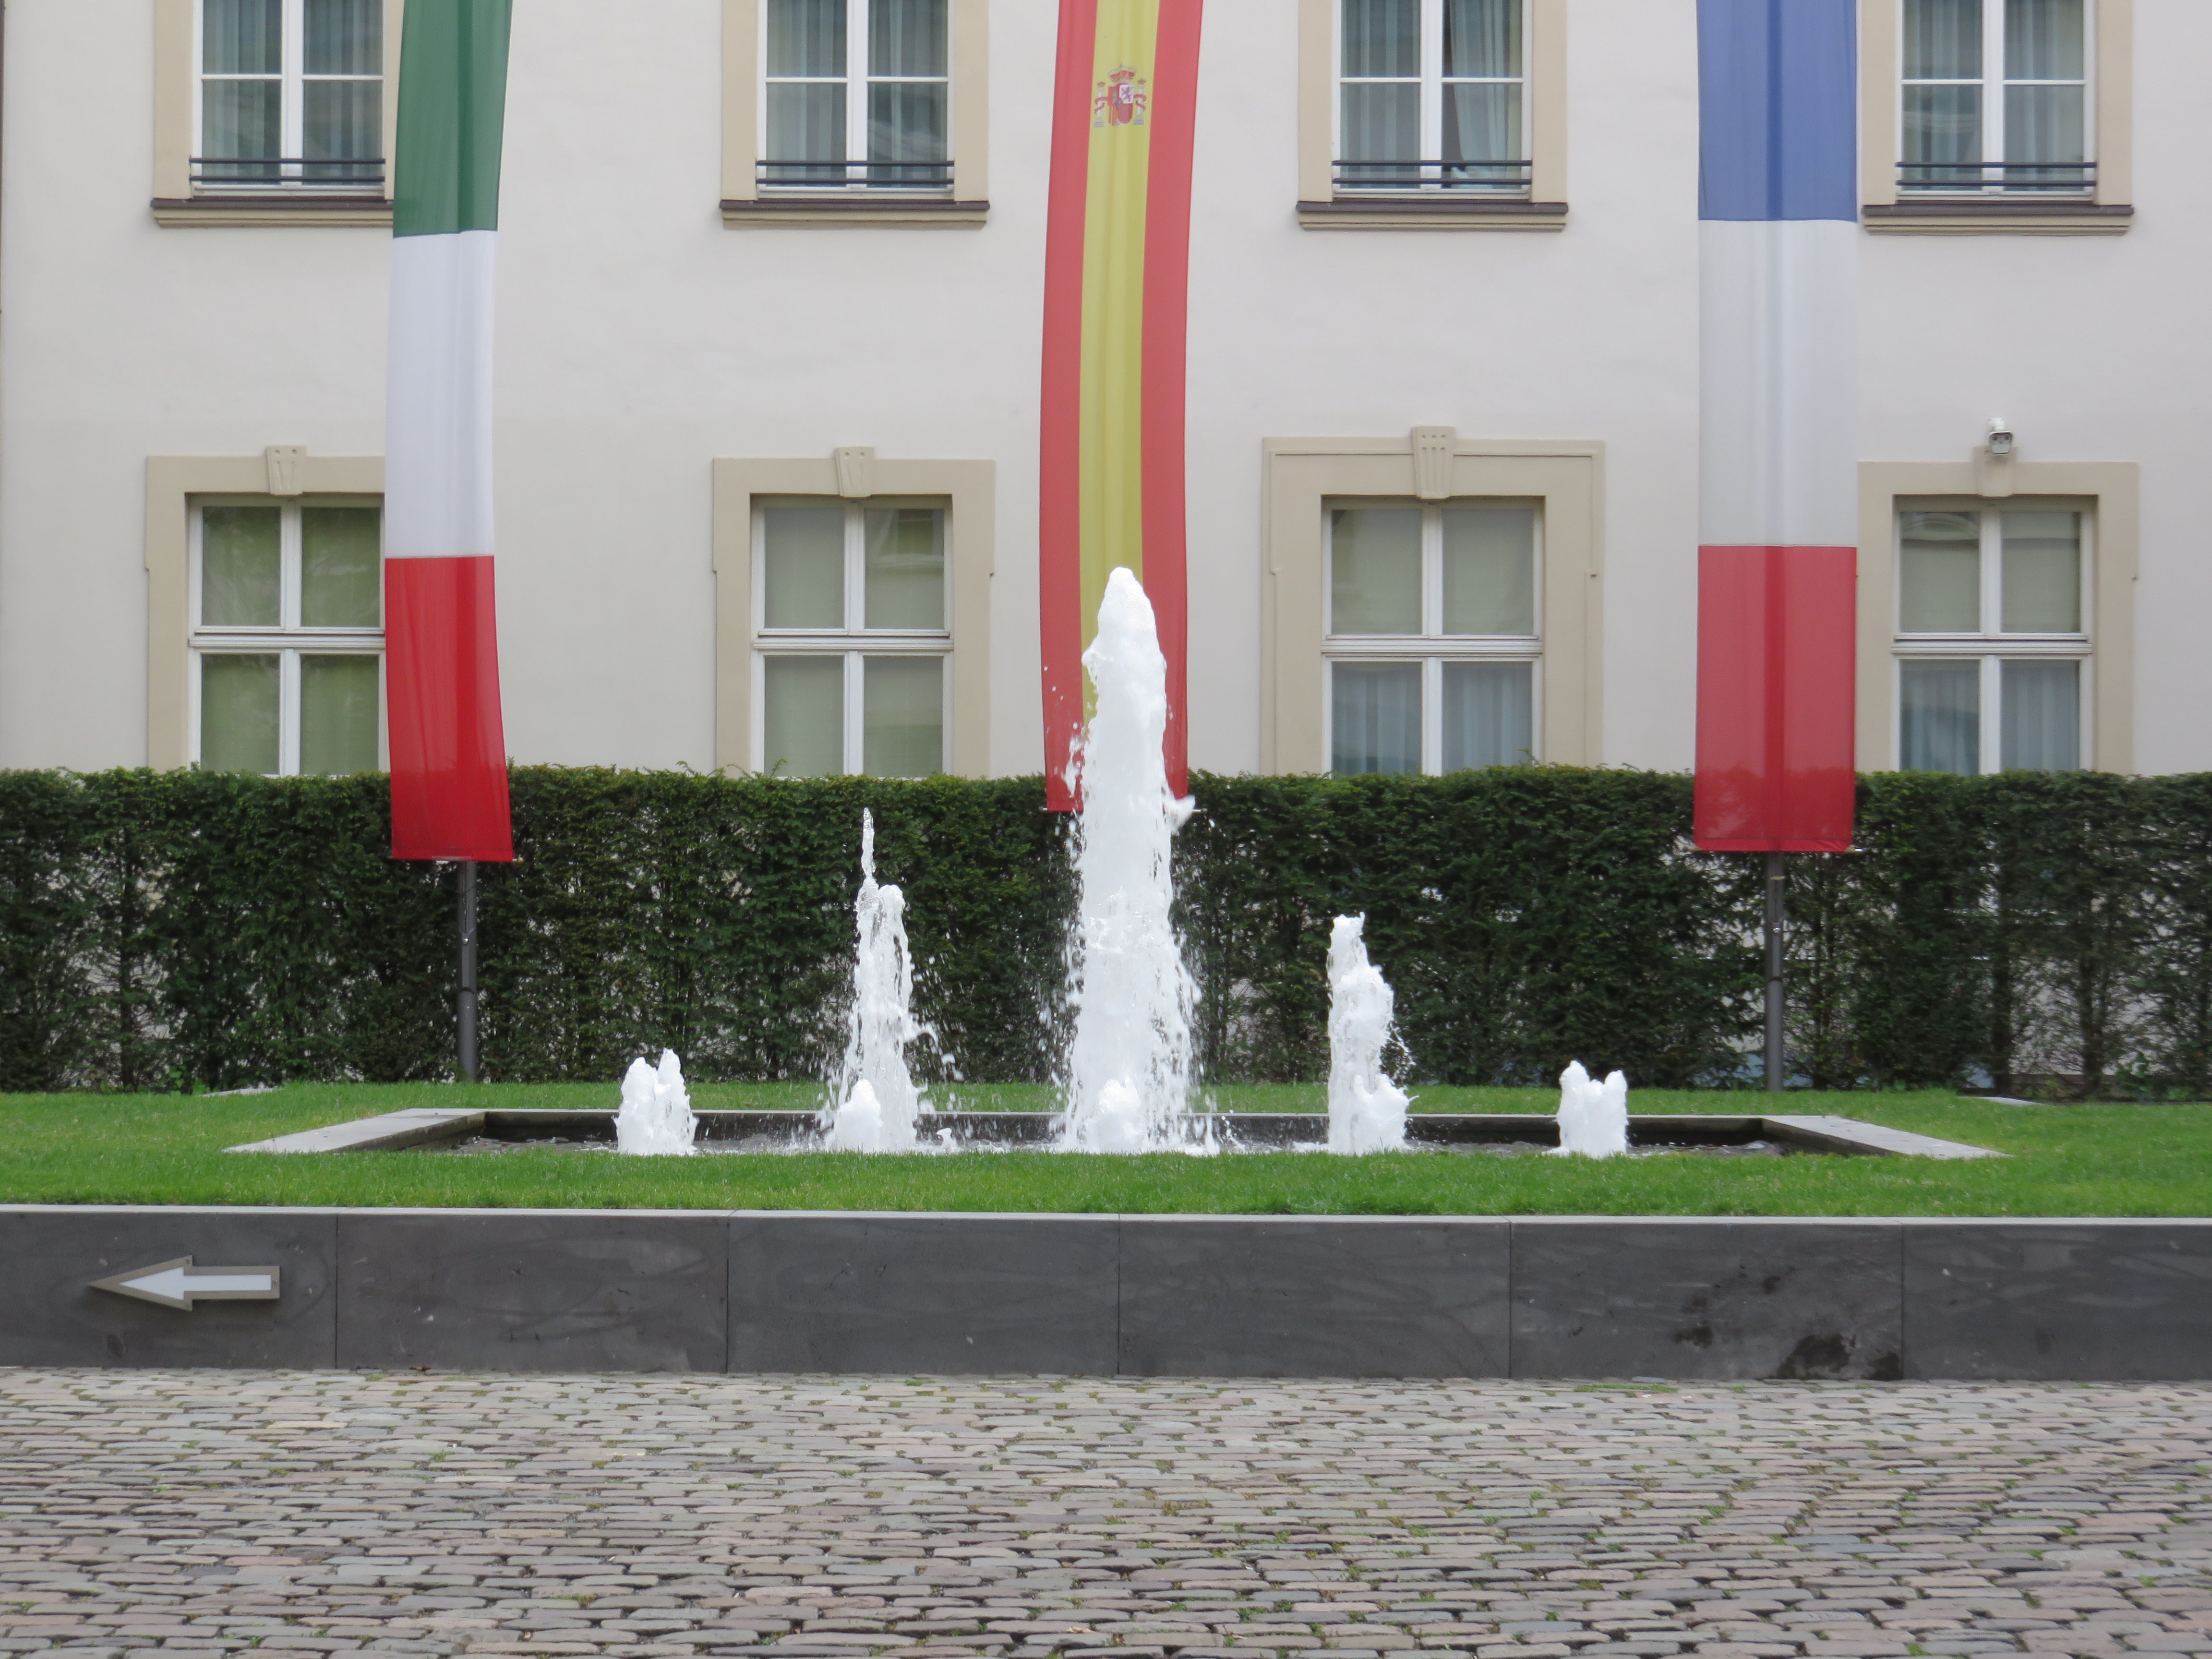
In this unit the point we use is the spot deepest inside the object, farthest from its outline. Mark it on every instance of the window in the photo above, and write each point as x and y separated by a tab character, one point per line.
1432	97
291	95
1992	637
857	96
1995	98
853	645
1432	642
287	635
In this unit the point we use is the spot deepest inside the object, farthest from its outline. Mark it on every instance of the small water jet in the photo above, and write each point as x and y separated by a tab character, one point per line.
1128	1064
1593	1117
874	1104
656	1120
1366	1110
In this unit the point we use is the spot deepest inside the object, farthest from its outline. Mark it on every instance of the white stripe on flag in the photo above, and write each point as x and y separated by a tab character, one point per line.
1779	407
437	418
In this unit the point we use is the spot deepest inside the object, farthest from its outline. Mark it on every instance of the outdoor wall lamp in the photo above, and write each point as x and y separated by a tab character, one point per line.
2000	438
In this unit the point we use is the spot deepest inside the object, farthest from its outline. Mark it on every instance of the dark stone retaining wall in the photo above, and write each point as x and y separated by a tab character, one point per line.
1222	1296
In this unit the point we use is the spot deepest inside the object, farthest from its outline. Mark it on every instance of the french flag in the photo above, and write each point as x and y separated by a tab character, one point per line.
1778	523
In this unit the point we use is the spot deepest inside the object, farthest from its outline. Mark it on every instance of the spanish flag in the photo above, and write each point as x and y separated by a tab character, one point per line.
1117	261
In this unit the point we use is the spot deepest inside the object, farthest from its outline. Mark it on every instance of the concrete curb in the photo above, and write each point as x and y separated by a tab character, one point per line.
1141	1295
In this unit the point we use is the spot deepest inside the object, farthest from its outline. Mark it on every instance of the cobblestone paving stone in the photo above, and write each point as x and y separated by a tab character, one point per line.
313	1513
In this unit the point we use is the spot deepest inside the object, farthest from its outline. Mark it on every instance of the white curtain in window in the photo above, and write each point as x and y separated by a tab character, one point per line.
803	716
2042	716
1941	723
1375	717
1381	123
342	121
1487	713
806	120
239	702
1483	123
2042	572
1940	576
2045	40
906	118
1375	570
241	120
1942	125
901	716
337	714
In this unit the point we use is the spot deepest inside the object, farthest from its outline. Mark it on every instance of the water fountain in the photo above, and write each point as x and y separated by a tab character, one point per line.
1593	1117
656	1119
1366	1110
1128	1066
874	1105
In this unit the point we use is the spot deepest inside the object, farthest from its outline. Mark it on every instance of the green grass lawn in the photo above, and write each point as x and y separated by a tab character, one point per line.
154	1149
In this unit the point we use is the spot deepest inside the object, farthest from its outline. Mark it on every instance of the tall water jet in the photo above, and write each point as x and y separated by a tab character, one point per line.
1129	1065
1593	1117
656	1120
873	1102
1366	1110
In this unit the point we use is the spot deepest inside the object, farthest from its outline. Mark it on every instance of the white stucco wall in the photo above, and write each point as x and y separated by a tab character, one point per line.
640	339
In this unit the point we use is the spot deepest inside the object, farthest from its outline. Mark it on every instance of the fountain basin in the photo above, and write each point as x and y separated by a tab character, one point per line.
440	1128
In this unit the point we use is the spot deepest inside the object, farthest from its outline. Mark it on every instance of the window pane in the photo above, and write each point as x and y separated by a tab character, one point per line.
806	37
1382	124
242	37
238	713
344	132
1489	570
1942	136
1482	37
806	123
2042	716
905	567
1375	576
344	37
2045	124
237	122
1488	707
1941	724
2044	40
239	559
1381	37
1482	122
2042	572
1942	39
901	716
804	716
906	123
1941	582
805	559
906	37
1375	717
337	714
341	578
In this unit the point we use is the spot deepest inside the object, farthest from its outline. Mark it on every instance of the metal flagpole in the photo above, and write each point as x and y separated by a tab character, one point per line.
1777	876
466	919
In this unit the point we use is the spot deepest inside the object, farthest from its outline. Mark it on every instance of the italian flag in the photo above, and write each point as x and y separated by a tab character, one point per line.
441	661
1117	264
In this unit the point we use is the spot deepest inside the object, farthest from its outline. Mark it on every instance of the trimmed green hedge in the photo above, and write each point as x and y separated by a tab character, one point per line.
2033	932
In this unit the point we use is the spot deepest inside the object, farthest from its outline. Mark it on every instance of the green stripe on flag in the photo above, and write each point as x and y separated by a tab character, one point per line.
452	100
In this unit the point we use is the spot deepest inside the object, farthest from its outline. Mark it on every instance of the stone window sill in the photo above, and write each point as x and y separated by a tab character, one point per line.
799	210
272	210
1936	217
1429	213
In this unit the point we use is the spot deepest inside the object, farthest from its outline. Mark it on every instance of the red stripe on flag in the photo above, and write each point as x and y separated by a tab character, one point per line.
1166	357
1059	483
1777	678
441	694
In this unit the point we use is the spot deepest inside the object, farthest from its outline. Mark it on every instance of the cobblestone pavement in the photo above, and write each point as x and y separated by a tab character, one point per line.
1072	1516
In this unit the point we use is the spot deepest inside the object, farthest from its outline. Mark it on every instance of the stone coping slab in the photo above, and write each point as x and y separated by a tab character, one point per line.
780	1291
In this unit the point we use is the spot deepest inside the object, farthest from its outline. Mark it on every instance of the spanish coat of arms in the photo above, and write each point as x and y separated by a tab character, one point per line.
1120	102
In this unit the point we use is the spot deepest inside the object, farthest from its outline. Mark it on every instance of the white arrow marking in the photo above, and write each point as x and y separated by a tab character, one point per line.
180	1285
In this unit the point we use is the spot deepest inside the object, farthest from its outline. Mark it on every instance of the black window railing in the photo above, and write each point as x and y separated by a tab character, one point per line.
1496	177
855	175
287	172
2005	178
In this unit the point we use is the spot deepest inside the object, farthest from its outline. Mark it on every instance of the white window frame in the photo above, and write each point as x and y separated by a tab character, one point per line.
1991	647
292	102
855	640
287	640
1993	80
1433	82
1431	647
856	76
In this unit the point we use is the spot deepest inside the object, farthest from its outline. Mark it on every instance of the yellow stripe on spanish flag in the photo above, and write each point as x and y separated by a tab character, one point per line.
1116	280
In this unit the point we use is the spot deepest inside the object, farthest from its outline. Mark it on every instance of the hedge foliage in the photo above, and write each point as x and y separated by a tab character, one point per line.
2030	931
